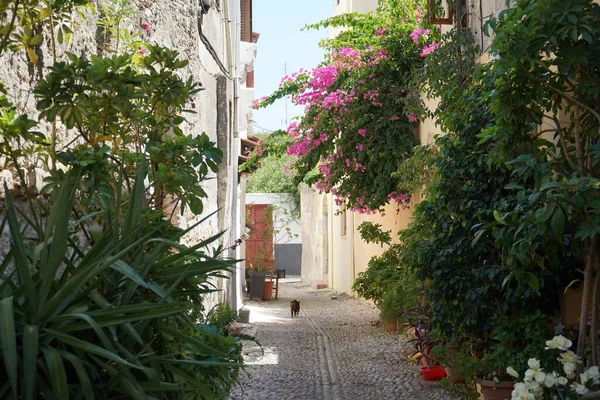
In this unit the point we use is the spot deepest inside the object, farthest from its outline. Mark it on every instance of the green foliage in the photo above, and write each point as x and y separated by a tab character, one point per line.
548	59
513	342
221	315
103	314
449	249
372	233
417	171
20	21
18	138
382	273
272	177
123	112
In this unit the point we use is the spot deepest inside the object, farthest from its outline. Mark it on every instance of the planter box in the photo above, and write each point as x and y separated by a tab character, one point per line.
257	285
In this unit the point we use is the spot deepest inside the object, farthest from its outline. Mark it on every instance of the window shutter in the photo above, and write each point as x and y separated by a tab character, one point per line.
246	20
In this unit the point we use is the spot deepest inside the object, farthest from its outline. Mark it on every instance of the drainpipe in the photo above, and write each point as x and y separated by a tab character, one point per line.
233	52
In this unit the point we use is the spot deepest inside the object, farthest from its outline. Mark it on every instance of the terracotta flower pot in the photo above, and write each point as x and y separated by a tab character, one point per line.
390	327
453	376
492	390
268	290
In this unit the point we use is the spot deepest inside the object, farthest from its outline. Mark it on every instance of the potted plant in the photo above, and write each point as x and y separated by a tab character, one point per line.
420	329
514	340
257	276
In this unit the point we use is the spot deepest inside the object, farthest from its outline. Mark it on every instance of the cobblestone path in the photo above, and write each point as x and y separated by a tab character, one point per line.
332	351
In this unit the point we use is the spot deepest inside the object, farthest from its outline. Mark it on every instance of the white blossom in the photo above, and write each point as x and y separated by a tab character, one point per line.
584	378
511	371
569	369
550	380
579	388
520	392
533	363
558	342
593	372
569	357
561	380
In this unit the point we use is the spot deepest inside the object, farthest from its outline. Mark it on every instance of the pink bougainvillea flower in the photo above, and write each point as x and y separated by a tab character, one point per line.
418	33
362	132
146	26
412	118
394	118
379	32
430	48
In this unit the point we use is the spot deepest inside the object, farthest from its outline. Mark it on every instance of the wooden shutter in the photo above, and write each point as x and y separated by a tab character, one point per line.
246	20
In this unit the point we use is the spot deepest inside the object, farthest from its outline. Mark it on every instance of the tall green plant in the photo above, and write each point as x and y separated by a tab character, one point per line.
98	320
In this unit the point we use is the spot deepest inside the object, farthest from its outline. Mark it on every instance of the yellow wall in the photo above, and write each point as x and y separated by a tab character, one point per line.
349	254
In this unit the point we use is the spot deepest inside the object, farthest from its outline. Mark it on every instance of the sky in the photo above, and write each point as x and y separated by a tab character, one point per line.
283	45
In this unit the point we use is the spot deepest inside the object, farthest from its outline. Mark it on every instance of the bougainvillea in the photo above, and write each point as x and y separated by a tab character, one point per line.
355	130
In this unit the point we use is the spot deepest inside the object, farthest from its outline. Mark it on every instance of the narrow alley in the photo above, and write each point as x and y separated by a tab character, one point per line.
333	350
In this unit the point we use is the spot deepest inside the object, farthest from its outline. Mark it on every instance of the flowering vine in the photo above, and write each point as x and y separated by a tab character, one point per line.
356	130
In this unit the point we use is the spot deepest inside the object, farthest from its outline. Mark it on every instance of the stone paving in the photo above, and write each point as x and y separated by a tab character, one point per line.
332	351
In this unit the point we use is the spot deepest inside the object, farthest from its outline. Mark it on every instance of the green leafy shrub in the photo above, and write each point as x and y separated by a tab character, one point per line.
98	320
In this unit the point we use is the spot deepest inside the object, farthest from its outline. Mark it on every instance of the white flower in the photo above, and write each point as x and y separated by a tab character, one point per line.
558	342
584	378
562	381
512	372
580	389
569	357
593	372
534	386
569	369
550	380
533	364
535	372
520	392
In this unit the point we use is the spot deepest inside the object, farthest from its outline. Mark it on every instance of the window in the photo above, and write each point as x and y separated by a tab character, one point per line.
343	224
433	9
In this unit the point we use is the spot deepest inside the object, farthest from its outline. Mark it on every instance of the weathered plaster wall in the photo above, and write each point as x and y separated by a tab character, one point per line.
201	39
315	266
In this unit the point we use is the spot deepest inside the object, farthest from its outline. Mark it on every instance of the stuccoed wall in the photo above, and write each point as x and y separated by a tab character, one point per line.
314	236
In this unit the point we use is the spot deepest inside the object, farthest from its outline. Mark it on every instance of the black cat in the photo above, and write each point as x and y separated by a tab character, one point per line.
294	308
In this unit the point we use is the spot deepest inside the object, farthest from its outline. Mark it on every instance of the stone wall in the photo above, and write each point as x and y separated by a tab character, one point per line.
200	36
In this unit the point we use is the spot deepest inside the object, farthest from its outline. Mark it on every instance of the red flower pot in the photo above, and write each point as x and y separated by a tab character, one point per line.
433	373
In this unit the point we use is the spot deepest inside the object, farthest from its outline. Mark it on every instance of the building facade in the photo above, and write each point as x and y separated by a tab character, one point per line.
216	38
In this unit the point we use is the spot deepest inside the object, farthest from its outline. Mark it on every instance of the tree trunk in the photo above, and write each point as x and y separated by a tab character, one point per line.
587	287
595	308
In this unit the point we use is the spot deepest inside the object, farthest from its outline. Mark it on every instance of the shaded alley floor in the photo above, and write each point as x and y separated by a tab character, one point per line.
332	351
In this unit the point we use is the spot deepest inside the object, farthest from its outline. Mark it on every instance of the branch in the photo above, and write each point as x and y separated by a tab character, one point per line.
563	142
568	97
11	26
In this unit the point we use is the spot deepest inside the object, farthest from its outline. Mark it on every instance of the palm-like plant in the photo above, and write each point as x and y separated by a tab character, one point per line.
102	320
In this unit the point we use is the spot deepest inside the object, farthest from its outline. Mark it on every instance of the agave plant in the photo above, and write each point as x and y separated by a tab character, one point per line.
103	319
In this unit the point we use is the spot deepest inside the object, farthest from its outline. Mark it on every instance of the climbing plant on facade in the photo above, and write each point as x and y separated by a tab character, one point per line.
355	130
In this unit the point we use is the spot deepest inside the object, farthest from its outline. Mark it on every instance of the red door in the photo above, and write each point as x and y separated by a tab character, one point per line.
259	247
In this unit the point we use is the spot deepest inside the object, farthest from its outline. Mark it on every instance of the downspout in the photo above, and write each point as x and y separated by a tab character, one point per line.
233	62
